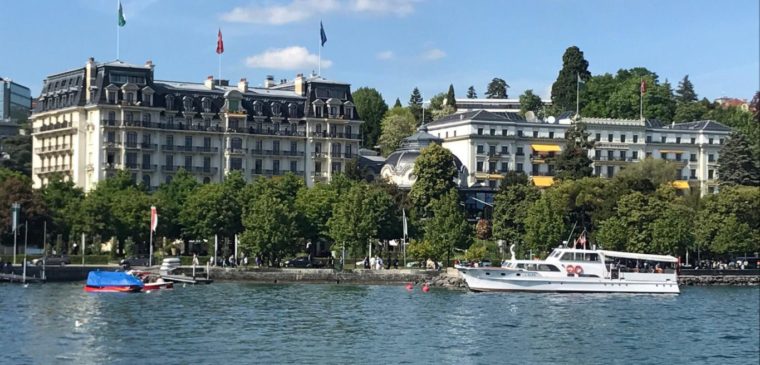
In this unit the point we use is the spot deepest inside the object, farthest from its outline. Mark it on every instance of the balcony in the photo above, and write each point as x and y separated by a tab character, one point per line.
132	145
148	146
325	134
52	169
293	153
236	151
319	154
184	148
272	132
169	168
537	158
132	166
54	148
261	152
148	167
205	149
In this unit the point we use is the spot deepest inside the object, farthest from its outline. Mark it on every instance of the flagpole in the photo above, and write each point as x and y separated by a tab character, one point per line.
117	32
220	69
577	94
641	100
320	57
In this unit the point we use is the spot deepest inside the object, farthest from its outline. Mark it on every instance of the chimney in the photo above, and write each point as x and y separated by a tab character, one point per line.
299	85
269	81
149	64
89	72
209	83
243	85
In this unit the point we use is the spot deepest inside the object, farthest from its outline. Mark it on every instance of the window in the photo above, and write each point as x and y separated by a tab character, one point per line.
293	147
146	161
129	117
276	147
257	167
349	151
635	138
504	132
347	130
146	180
610	155
188	141
711	174
493	132
693	141
598	136
663	155
318	167
693	157
189	163
693	174
597	170
491	150
610	171
130	98
678	157
492	167
170	141
207	164
112	116
519	151
710	141
535	134
551	134
480	148
131	160
663	139
318	147
622	155
519	167
649	139
131	139
111	137
534	169
504	150
169	162
622	138
237	143
597	154
480	131
519	133
169	102
236	163
479	167
207	142
146	117
609	137
635	155
146	138
711	158
720	141
504	166
335	167
678	139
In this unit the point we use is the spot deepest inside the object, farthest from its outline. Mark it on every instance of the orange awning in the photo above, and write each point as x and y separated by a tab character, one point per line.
546	148
680	184
543	181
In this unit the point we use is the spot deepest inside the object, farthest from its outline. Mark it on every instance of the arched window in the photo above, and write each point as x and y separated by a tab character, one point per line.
276	111
206	104
169	102
258	107
187	103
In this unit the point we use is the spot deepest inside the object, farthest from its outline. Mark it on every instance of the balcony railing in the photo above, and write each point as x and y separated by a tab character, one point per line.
54	126
325	134
207	170
237	151
205	149
51	168
149	167
54	148
148	146
292	153
608	158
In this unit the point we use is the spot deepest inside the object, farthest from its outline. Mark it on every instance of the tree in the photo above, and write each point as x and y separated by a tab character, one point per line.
689	112
360	214
451	100
271	228
646	175
448	227
415	105
439	108
685	92
729	221
371	108
15	189
170	198
736	165
564	89
397	124
573	162
210	211
397	104
544	223
18	151
510	209
471	94
316	207
435	171
497	89
353	171
64	201
618	96
530	102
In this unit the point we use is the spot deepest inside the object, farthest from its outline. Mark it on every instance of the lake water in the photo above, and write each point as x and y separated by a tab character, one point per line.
272	324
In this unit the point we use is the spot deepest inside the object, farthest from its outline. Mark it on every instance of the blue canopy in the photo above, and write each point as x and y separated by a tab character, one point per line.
109	278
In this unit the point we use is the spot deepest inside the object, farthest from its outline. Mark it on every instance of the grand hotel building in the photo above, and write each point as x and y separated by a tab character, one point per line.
92	121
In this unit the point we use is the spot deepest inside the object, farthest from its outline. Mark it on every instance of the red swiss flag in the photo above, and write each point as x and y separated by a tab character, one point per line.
219	43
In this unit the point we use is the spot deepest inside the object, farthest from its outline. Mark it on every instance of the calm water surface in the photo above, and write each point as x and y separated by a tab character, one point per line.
245	323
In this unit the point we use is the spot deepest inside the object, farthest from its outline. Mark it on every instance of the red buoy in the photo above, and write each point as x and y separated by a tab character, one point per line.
409	286
425	288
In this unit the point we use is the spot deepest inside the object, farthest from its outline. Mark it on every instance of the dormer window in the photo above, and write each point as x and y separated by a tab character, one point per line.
348	131
206	104
276	112
258	107
130	98
187	103
112	94
348	108
169	102
147	96
292	110
318	106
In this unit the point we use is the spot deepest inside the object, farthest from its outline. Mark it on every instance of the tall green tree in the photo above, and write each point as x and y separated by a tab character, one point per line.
685	92
18	150
689	112
397	124
64	202
510	210
435	171
471	94
646	175
448	227
360	215
544	223
729	221
271	228
18	189
573	162
316	207
736	165
451	100
397	104
497	89
415	105
530	102
619	96
564	89
371	108
439	108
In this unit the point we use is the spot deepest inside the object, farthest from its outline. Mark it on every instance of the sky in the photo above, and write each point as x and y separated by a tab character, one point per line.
392	45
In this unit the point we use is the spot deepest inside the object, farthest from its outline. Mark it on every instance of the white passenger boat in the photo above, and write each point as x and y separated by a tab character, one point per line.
579	270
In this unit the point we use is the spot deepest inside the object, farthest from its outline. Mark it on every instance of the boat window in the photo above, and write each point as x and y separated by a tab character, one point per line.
578	256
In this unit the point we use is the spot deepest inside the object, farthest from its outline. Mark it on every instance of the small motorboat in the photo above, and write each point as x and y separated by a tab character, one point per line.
112	282
151	281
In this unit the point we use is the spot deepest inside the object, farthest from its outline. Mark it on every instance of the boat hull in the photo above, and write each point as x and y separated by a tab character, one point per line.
475	282
112	289
157	286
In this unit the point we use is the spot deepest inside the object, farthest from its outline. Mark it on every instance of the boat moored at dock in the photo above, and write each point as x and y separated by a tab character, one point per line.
579	270
112	282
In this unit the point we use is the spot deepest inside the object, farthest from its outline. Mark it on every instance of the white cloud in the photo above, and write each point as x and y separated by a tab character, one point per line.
295	11
385	55
396	7
433	54
290	58
299	10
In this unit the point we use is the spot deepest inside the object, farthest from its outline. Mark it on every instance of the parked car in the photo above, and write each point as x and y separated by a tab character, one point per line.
58	260
134	261
303	261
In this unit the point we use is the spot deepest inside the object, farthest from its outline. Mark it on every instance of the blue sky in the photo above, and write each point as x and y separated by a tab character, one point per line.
392	45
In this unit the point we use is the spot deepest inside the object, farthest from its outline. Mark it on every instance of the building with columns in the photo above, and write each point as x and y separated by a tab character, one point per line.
91	121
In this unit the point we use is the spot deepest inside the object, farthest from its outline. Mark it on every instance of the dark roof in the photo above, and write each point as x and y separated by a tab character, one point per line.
706	125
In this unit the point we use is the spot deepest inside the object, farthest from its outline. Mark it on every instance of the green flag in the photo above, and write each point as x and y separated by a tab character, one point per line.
122	19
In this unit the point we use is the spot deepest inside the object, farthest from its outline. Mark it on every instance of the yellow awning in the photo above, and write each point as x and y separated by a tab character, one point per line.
671	151
487	176
545	147
543	181
680	184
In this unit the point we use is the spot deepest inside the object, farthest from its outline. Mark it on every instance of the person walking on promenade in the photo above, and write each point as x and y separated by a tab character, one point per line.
366	262
195	260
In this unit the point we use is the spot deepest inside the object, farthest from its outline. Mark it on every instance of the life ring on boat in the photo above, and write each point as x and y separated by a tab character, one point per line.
570	269
578	270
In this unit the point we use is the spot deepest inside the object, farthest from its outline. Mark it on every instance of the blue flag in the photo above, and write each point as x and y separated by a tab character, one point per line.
322	34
